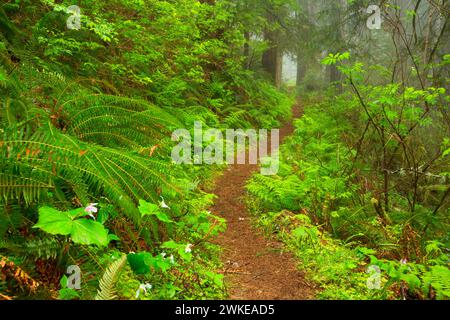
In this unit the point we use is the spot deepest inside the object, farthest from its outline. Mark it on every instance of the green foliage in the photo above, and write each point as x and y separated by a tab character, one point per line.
71	223
87	115
47	248
66	293
328	200
430	280
437	278
150	209
335	58
108	282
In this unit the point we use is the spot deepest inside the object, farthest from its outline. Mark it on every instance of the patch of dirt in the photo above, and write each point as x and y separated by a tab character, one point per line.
255	268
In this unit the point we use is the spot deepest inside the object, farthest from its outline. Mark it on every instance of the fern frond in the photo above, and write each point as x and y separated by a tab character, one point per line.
108	282
47	248
238	119
116	121
34	164
18	187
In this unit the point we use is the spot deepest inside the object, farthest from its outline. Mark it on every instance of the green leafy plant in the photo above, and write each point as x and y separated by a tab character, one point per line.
71	223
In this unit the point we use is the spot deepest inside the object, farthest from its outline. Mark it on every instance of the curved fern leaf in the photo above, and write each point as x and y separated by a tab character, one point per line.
108	282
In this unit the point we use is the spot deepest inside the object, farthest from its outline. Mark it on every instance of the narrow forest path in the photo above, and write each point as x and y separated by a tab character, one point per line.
256	268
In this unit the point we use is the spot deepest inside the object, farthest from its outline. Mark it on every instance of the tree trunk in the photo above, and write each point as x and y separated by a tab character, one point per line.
335	77
301	70
247	50
272	59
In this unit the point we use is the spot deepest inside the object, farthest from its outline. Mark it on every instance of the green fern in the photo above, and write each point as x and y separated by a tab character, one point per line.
276	193
108	282
439	279
47	248
238	119
118	121
33	164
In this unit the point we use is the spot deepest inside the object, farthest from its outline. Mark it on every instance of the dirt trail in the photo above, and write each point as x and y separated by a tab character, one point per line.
255	268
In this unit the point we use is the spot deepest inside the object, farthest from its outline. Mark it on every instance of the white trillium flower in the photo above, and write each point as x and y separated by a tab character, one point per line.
163	254
143	287
188	248
163	204
90	209
172	260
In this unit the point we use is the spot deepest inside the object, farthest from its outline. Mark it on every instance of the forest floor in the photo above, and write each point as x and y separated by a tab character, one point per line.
255	267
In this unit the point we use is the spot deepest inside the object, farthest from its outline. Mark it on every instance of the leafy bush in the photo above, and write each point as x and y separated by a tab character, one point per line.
331	181
87	116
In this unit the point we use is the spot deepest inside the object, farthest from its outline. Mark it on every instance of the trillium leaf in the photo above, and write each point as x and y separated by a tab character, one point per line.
163	217
147	208
86	231
82	231
77	213
54	222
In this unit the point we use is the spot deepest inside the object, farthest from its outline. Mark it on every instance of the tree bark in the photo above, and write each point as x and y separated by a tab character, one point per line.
247	50
335	77
272	59
301	70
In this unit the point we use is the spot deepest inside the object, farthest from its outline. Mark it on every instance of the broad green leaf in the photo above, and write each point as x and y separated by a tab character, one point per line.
54	222
146	208
82	231
86	231
68	294
163	217
77	213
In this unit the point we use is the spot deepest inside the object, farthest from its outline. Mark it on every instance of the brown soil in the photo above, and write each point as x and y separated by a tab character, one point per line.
255	268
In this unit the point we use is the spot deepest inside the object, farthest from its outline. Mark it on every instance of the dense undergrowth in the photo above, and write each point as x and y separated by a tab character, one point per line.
361	193
93	207
86	120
